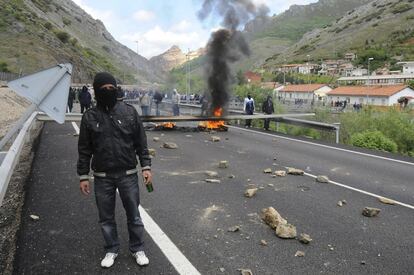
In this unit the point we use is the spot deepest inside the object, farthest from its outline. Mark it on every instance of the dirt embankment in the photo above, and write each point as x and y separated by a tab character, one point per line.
12	106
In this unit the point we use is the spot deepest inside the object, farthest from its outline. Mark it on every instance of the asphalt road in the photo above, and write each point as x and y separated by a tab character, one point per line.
196	215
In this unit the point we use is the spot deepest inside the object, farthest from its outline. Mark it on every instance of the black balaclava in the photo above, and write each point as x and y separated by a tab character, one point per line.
105	98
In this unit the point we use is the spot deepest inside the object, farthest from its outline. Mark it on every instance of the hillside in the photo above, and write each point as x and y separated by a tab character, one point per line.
41	33
173	58
383	28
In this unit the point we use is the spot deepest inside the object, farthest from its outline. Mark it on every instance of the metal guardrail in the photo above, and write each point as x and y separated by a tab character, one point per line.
12	157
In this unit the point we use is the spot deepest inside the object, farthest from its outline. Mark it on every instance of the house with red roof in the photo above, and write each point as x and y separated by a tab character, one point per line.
304	92
372	95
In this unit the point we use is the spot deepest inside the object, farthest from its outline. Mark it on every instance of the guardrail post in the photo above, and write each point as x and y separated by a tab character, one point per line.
338	126
277	126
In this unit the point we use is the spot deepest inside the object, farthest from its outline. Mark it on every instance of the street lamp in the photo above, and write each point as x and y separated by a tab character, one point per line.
137	63
309	72
284	73
369	60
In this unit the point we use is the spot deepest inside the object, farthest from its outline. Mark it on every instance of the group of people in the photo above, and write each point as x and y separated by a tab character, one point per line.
267	108
84	97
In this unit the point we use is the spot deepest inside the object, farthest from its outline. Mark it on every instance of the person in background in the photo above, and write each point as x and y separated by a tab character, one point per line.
204	105
175	103
248	108
85	99
120	94
71	98
110	139
145	104
268	109
158	98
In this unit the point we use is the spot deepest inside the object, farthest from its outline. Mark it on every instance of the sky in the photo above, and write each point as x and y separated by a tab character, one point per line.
157	25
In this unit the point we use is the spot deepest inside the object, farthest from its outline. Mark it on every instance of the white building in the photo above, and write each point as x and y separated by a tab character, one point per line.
371	95
307	68
397	79
305	92
408	67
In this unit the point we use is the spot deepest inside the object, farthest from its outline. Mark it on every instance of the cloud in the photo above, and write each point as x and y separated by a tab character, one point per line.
106	16
143	15
182	26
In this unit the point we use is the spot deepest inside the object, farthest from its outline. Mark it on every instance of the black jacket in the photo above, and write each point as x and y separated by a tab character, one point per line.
268	107
112	140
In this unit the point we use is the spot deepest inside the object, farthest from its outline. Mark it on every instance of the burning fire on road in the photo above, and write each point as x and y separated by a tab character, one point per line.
214	125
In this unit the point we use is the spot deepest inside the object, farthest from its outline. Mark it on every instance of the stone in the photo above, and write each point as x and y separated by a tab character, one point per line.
299	253
152	152
286	231
188	136
386	201
35	217
322	179
249	193
272	218
249	180
263	242
170	145
213	181
261	188
162	135
371	211
222	269
215	138
340	203
363	262
295	172
267	171
245	272
344	202
156	139
280	173
304	238
211	174
223	164
270	184
231	176
234	228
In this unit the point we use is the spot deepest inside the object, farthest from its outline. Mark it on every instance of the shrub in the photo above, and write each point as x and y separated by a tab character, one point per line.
374	140
66	21
48	25
4	67
402	7
62	36
73	41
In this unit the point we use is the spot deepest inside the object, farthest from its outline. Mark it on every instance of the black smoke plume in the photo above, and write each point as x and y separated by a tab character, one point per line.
226	45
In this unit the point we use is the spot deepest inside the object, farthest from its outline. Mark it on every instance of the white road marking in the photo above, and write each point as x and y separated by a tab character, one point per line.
76	127
324	146
362	191
173	254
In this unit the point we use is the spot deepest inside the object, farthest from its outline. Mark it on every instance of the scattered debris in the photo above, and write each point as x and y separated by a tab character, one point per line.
263	243
223	164
249	180
331	248
322	179
280	173
363	262
344	202
211	174
371	211
340	203
286	231
250	192
231	176
267	171
245	272
222	269
270	184
272	218
304	238
75	134
386	201
213	181
156	139
234	228
170	145
294	171
152	152
188	136
215	138
35	217
247	238
299	253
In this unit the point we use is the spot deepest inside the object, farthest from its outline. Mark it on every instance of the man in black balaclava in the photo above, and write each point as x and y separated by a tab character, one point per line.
112	135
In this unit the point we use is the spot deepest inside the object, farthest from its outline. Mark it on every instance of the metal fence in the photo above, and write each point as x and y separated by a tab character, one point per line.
8	76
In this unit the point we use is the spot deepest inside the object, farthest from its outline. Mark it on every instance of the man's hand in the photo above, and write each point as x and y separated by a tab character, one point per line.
84	187
147	175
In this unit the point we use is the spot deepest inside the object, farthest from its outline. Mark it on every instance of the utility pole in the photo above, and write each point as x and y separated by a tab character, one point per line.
369	84
308	56
137	63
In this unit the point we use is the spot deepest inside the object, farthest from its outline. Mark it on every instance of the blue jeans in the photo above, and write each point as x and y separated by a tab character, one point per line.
176	110
145	110
105	194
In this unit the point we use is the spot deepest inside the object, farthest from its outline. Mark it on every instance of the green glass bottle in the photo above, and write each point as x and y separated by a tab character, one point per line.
150	188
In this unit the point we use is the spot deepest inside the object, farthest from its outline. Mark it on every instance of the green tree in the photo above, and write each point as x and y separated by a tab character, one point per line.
241	80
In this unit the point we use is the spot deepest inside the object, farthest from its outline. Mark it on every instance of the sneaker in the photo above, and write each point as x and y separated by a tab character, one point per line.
109	260
140	258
